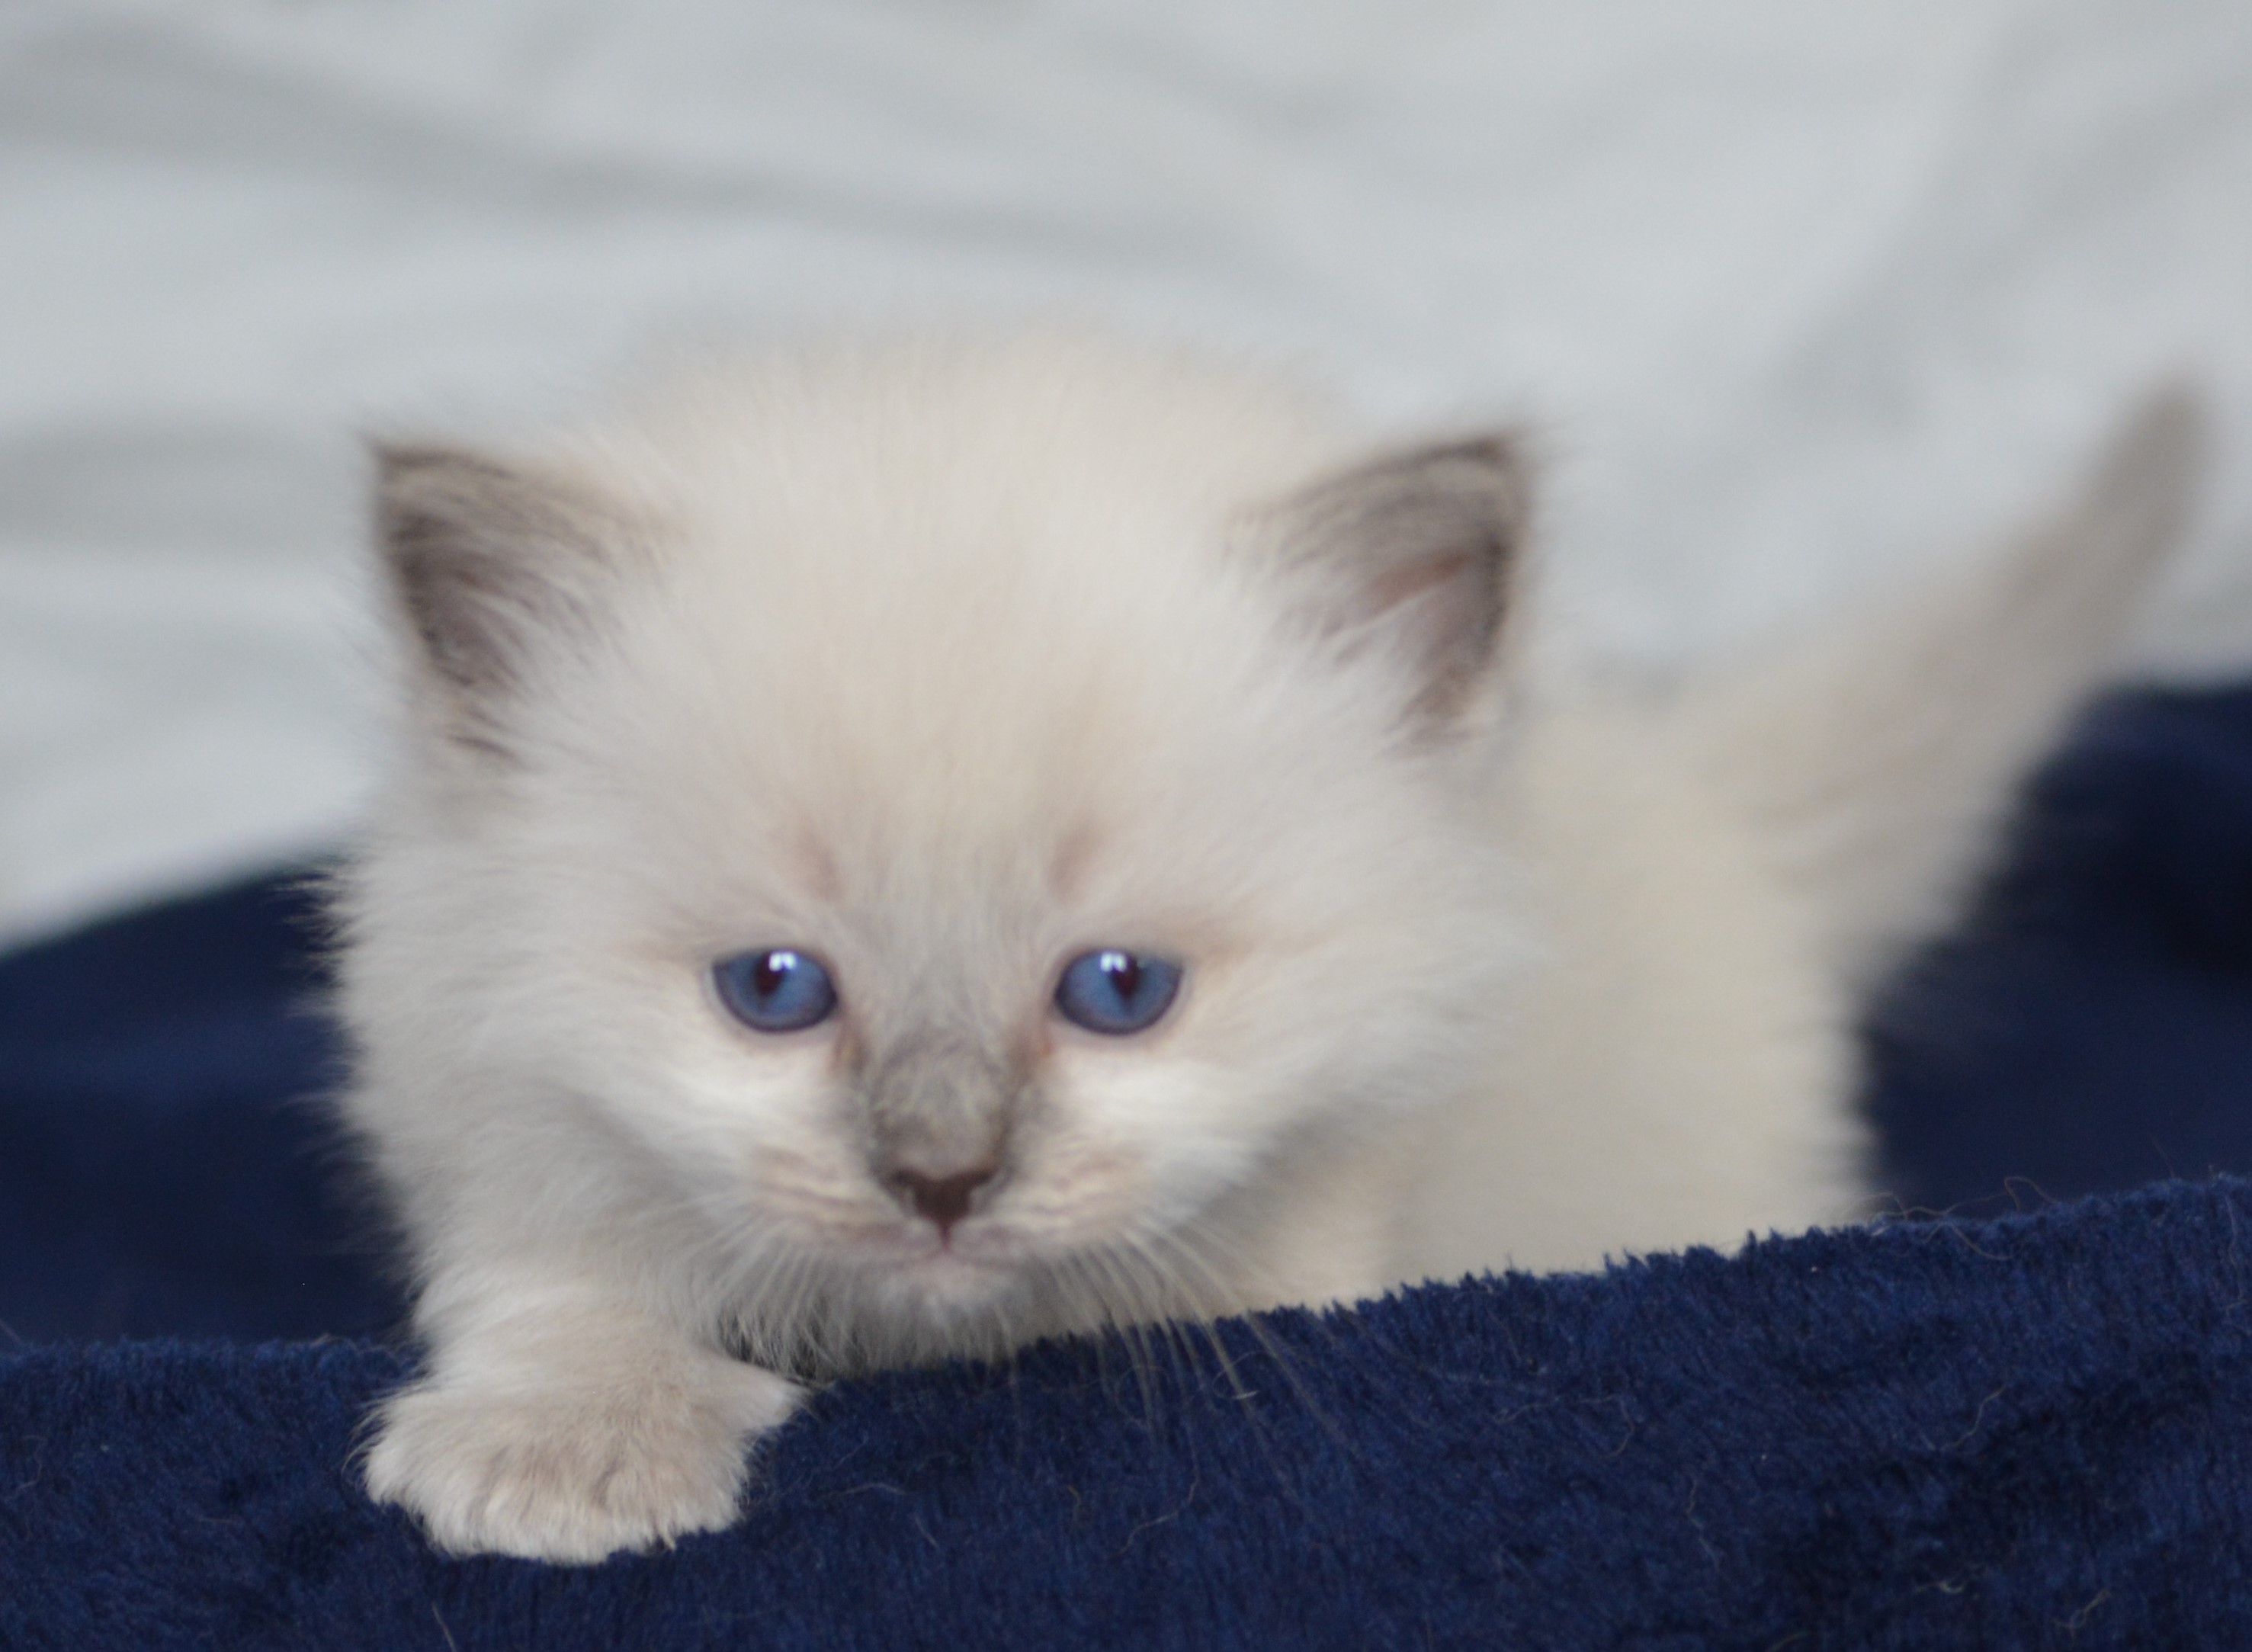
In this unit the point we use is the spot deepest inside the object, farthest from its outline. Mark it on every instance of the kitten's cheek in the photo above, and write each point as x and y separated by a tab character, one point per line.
1187	1175
731	1107
1182	1136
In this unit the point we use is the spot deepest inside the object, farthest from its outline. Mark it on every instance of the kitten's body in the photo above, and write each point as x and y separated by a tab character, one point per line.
946	663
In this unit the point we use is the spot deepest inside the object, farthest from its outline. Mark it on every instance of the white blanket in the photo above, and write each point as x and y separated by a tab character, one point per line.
1804	298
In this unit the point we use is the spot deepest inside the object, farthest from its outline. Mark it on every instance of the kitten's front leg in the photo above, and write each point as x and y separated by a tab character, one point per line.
567	1424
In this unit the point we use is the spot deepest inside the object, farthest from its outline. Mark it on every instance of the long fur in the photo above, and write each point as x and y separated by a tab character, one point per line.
949	660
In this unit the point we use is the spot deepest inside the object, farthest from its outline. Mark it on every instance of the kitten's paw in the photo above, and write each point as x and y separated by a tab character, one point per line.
571	1469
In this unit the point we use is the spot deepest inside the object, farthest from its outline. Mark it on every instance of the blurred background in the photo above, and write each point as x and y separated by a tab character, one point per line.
1803	299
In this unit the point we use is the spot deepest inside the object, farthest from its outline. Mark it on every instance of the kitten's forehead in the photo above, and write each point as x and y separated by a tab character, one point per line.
969	660
1028	501
988	596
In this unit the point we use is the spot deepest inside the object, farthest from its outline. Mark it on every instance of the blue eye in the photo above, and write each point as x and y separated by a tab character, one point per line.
775	991
1112	992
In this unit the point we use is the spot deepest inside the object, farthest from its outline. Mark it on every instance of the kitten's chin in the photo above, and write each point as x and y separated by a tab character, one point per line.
913	1272
941	1288
984	1289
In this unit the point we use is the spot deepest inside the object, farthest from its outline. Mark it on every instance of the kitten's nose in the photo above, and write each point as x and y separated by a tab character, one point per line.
942	1199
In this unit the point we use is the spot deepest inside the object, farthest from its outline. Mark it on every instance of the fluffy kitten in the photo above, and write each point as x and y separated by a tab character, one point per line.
905	850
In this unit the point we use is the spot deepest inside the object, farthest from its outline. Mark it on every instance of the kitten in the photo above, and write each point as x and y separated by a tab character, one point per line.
904	849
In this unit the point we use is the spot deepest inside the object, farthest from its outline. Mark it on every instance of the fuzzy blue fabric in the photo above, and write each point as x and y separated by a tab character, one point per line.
2030	1429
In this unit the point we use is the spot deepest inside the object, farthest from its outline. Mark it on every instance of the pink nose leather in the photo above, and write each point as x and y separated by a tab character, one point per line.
942	1199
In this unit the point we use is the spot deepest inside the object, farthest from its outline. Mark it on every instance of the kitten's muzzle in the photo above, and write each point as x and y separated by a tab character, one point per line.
940	1112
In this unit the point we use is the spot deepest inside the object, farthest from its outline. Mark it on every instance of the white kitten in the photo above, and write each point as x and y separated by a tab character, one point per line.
903	850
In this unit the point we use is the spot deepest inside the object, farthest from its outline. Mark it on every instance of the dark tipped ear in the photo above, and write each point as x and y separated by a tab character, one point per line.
490	563
1417	552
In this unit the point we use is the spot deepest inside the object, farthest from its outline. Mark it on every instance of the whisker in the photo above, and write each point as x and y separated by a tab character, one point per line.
1135	1322
1186	1246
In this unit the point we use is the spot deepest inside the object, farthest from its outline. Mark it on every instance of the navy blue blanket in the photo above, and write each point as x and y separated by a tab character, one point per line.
2023	1429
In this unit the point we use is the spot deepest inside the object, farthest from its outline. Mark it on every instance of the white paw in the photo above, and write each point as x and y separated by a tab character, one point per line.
565	1466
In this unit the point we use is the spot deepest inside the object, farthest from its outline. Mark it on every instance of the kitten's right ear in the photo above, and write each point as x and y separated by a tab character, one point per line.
492	563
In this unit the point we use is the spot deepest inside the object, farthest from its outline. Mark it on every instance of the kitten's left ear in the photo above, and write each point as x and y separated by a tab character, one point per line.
1417	553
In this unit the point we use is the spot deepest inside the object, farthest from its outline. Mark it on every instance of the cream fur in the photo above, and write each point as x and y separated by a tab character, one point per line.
949	660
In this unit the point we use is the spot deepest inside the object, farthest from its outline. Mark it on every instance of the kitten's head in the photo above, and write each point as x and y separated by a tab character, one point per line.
927	843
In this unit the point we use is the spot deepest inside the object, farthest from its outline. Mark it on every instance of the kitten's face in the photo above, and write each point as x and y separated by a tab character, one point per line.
956	857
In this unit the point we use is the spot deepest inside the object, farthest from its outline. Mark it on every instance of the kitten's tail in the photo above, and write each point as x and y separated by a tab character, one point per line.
1878	765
